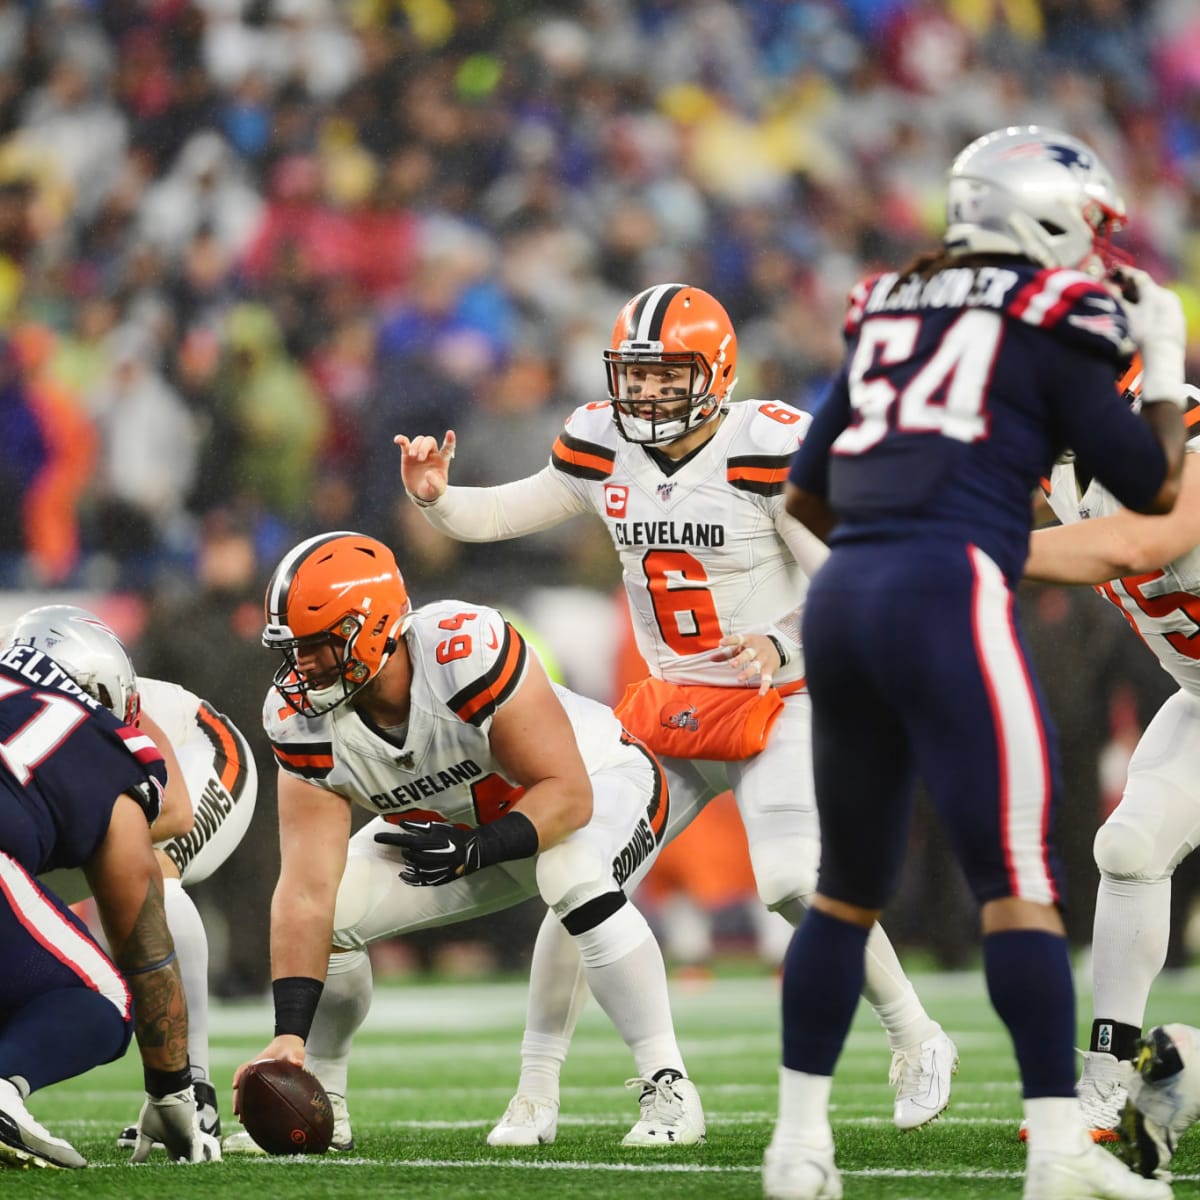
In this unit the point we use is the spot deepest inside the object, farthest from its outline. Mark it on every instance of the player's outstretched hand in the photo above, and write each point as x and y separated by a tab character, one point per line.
754	657
425	466
172	1120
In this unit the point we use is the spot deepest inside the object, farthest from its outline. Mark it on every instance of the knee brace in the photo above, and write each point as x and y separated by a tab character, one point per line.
785	870
1123	851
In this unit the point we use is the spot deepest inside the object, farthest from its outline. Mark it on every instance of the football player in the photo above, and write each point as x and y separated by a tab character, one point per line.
210	763
491	785
967	374
1149	567
83	788
690	488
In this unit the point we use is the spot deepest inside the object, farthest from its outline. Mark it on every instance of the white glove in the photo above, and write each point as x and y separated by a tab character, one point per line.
173	1120
1158	326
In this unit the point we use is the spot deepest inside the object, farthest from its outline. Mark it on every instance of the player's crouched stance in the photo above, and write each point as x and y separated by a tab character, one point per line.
492	785
1164	1098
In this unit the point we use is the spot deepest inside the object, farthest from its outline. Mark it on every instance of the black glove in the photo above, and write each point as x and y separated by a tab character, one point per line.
435	852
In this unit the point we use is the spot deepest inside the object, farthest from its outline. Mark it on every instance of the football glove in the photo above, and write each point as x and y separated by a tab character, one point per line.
1158	326
173	1120
435	852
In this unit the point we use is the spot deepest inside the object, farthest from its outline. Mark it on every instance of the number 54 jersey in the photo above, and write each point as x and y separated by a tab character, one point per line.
700	547
467	662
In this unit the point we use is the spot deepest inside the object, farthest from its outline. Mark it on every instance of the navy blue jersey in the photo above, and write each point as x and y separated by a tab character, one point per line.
959	392
64	760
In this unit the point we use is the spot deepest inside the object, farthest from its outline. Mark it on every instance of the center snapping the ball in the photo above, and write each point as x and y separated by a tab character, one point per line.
284	1108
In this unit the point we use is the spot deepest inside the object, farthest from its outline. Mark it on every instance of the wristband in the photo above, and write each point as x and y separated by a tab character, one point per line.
165	1083
783	658
512	836
421	503
296	1000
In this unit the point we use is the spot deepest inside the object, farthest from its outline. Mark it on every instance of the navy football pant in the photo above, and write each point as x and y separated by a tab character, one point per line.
916	668
64	1006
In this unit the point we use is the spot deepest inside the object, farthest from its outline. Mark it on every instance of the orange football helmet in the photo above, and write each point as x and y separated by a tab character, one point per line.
343	590
670	325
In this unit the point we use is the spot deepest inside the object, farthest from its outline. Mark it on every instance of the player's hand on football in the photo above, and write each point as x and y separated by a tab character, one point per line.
287	1047
434	852
173	1120
753	657
424	465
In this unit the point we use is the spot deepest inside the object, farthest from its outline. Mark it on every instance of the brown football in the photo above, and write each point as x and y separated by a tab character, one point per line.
285	1108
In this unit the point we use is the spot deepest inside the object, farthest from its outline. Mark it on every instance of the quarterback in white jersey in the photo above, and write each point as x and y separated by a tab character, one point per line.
1149	567
491	785
690	489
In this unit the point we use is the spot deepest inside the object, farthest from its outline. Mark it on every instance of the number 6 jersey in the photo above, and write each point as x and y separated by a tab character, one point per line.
467	662
702	542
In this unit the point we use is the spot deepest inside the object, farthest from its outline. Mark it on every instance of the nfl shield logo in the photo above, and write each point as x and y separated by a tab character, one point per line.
665	490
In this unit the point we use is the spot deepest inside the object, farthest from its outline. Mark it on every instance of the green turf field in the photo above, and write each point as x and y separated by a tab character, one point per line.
435	1066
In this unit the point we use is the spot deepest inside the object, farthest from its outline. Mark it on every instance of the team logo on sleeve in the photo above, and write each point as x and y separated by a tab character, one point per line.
616	499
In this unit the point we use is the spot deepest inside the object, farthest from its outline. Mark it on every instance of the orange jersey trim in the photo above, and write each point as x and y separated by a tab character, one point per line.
220	732
479	700
580	458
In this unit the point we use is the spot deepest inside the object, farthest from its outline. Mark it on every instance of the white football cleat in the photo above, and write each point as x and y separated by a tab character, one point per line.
671	1112
1164	1098
797	1170
527	1121
343	1138
1093	1174
1102	1094
240	1143
921	1077
26	1143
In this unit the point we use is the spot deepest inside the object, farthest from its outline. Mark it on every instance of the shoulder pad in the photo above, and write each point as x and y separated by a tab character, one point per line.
1075	308
767	436
474	659
586	448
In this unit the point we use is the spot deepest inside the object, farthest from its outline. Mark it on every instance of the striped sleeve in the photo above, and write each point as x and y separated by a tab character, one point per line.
478	700
307	760
584	460
762	474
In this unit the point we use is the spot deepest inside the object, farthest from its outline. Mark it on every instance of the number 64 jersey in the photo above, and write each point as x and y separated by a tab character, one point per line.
701	548
467	662
1163	606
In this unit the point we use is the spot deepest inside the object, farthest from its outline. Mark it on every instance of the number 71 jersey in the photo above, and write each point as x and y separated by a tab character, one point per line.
701	553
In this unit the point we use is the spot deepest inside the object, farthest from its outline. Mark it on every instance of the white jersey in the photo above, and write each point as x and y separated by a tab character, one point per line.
467	663
1163	606
218	768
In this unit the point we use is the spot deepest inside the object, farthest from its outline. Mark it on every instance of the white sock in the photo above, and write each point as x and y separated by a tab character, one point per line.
343	1008
626	974
191	952
886	988
557	993
803	1108
1129	946
1055	1126
890	993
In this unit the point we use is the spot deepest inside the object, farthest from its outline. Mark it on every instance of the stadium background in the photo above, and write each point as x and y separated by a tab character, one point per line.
244	242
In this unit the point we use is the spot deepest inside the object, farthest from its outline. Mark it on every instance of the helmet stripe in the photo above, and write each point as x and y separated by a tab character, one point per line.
285	573
650	313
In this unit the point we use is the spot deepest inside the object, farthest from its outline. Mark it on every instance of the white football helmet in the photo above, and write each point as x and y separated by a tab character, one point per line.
1035	192
1164	1097
90	653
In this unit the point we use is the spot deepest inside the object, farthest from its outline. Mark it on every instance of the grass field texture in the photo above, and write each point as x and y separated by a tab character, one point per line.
436	1063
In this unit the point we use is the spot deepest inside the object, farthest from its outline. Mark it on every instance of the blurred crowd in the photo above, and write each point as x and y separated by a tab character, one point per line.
244	242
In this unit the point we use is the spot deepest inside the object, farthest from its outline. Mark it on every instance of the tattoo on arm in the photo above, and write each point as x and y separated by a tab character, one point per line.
160	1007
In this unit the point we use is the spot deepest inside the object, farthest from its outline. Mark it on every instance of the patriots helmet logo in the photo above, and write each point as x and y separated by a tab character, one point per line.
1069	156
